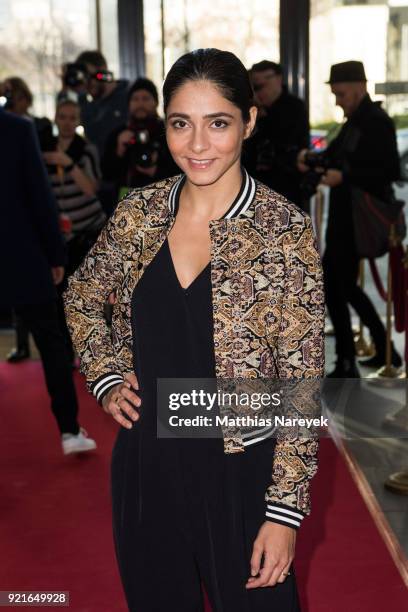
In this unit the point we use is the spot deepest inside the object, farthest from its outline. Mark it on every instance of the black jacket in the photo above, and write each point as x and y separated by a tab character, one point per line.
366	152
30	239
278	138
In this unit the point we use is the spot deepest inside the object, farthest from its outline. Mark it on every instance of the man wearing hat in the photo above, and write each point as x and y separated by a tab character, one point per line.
363	155
136	153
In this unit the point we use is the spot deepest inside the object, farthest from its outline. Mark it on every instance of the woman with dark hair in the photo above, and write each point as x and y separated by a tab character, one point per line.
215	276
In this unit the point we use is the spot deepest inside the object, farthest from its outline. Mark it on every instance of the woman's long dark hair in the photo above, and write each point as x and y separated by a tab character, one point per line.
222	68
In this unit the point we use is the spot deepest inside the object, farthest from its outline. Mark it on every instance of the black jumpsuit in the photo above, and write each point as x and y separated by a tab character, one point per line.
184	512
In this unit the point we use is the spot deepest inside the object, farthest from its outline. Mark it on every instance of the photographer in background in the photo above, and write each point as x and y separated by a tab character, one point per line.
282	130
73	169
136	153
363	155
103	100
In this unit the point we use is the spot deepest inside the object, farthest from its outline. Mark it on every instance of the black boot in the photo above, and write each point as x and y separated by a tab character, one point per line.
345	368
18	354
379	360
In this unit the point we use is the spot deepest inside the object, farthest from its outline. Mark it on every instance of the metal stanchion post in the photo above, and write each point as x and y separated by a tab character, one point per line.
363	347
397	483
388	370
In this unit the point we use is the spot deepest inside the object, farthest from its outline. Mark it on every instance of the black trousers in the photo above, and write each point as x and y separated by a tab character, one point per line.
186	514
22	336
43	322
340	267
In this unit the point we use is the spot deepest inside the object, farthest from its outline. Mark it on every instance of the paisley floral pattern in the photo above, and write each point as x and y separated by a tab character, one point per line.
268	307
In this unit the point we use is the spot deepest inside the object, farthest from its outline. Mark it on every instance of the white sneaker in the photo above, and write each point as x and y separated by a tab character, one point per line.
77	444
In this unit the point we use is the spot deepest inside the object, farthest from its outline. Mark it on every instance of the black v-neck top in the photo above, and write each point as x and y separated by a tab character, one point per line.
172	327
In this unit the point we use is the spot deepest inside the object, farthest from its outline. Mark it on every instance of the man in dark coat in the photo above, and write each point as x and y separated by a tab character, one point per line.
282	130
363	155
19	100
32	263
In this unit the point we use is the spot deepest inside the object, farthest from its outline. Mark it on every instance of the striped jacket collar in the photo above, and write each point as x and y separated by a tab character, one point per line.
239	205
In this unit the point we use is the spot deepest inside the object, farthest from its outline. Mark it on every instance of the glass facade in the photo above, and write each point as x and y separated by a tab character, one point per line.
173	27
37	37
375	32
110	34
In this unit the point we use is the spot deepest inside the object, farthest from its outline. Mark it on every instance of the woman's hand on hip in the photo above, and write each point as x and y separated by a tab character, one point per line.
276	543
121	401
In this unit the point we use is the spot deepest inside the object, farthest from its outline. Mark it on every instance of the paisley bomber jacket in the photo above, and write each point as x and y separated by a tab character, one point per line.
268	308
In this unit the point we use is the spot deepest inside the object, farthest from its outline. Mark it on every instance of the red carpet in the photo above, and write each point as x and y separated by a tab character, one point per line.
55	525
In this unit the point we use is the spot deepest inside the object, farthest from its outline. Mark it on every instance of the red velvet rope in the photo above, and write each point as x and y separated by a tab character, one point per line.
399	276
377	279
318	208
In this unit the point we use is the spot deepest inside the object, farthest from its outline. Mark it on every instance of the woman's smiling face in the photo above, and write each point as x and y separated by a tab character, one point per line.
205	131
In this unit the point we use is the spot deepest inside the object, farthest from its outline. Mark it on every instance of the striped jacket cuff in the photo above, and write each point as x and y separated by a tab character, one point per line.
284	515
104	383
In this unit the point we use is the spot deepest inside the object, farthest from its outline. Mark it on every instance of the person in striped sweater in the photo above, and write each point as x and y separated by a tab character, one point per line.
73	169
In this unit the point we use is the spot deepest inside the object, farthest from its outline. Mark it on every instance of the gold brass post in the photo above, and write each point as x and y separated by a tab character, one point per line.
388	370
363	347
397	483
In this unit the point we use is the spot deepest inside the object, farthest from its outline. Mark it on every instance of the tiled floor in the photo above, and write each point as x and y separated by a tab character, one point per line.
7	343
